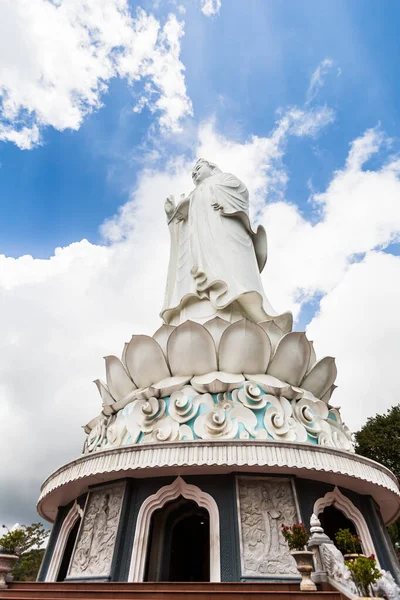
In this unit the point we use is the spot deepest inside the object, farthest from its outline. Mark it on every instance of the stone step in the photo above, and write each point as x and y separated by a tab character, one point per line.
160	585
163	591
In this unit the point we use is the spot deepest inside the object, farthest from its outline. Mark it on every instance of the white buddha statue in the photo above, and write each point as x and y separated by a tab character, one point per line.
216	257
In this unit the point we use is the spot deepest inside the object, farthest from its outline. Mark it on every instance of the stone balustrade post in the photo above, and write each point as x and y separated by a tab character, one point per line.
318	537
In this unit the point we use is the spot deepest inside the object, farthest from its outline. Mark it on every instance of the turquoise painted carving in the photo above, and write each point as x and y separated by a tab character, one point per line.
242	414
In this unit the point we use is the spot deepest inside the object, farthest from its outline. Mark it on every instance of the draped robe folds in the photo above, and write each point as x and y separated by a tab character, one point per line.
216	257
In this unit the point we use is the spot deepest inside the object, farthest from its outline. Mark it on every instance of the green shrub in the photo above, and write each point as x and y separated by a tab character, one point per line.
347	542
364	573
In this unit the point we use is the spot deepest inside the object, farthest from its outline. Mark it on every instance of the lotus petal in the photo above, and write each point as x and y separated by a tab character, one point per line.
313	357
274	386
244	348
191	350
168	386
291	358
284	322
216	327
134	395
327	396
145	361
118	381
108	400
147	393
274	333
123	355
216	382
89	426
321	377
161	336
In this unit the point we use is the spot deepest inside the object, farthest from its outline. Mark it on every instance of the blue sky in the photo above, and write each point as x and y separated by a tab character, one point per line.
242	65
299	98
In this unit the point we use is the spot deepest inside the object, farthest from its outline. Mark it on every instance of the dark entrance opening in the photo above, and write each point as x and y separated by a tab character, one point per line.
179	543
69	547
332	519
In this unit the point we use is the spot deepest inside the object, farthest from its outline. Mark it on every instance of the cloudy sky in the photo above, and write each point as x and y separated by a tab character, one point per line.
104	106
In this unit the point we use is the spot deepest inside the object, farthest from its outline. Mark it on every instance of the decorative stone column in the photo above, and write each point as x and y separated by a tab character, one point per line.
318	537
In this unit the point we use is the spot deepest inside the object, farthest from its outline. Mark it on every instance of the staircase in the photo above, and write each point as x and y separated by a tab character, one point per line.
165	591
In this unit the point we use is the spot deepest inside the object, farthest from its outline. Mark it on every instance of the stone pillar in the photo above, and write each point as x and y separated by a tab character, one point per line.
318	537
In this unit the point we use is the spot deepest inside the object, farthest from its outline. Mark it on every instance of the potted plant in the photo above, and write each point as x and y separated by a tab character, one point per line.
10	545
348	544
297	538
364	573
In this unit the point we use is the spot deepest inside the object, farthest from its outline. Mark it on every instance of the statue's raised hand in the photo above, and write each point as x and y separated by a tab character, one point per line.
169	206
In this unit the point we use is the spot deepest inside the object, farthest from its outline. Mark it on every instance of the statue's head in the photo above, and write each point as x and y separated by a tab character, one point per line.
203	169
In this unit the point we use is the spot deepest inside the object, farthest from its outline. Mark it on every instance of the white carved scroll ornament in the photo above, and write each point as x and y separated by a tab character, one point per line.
164	495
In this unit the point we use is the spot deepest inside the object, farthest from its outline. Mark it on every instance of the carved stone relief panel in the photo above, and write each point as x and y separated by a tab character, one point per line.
94	547
264	504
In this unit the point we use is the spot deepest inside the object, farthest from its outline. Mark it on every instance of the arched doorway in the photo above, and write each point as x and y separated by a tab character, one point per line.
69	547
179	543
64	547
332	519
345	506
176	490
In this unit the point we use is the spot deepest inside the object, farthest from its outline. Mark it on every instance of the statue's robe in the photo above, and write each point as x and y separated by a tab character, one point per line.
217	257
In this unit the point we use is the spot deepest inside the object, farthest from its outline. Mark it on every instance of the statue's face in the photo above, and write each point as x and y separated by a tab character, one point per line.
200	172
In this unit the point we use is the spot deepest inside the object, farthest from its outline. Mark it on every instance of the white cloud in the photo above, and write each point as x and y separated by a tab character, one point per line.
358	322
317	78
210	7
57	58
359	211
62	315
